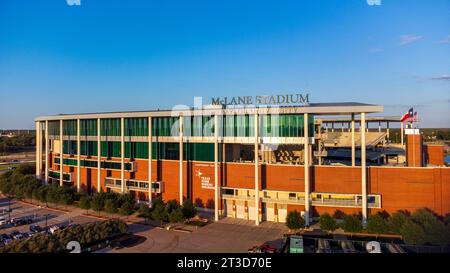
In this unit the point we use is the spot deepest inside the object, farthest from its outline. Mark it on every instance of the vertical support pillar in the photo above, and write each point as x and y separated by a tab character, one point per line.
402	134
363	169
181	157
150	191
256	169
353	139
379	127
38	148
122	154
78	155
61	152
46	153
216	168
99	153
387	129
306	149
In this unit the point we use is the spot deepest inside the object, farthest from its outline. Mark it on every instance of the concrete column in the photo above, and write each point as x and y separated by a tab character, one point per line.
78	155
342	127
150	192
379	127
181	158
387	129
99	153
122	153
363	169
46	153
256	170
401	133
38	148
306	149
353	139
61	152
216	168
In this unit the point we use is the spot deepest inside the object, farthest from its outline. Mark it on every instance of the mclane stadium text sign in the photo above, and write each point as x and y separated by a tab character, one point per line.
302	99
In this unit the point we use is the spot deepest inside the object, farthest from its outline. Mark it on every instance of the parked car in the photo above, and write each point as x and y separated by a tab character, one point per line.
263	248
19	236
28	234
14	233
23	220
54	228
3	221
7	241
35	228
4	236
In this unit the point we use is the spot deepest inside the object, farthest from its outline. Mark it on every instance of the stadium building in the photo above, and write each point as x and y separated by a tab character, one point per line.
260	163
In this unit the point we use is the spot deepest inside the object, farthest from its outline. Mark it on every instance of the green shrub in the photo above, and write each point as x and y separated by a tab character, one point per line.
377	224
294	220
176	215
327	222
396	221
188	209
351	223
413	233
85	203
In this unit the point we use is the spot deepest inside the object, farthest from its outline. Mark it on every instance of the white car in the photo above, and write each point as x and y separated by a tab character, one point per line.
53	229
3	221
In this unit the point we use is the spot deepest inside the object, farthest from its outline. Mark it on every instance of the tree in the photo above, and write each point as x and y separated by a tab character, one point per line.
176	215
126	208
111	206
376	224
172	205
85	203
294	220
396	221
144	212
327	222
159	212
97	202
351	223
188	209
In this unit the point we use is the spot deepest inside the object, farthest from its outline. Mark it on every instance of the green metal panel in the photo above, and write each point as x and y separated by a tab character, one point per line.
70	147
88	148
88	127
70	127
136	126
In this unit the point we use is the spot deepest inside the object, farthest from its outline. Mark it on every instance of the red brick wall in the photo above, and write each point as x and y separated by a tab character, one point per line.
240	175
336	179
414	156
284	177
435	154
411	188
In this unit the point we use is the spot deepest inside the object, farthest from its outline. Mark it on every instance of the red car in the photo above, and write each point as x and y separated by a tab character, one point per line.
262	248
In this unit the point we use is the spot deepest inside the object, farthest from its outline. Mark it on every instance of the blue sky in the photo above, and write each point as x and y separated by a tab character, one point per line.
139	55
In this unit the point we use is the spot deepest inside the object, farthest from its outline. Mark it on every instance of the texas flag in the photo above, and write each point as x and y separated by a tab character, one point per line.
413	118
408	115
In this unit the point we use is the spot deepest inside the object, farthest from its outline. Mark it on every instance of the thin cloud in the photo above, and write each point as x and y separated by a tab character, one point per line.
440	78
443	41
408	39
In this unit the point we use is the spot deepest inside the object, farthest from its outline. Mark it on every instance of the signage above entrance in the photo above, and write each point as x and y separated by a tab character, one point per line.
290	99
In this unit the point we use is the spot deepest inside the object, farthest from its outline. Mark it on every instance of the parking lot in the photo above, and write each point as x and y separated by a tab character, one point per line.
41	216
227	235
